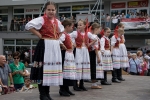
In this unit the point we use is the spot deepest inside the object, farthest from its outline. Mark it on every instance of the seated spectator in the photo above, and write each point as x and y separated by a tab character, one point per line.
18	71
134	64
27	85
5	72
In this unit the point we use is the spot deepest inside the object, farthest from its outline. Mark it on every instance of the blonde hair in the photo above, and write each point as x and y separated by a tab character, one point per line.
121	30
139	52
95	25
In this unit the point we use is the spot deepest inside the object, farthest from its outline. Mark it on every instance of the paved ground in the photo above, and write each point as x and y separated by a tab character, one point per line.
134	88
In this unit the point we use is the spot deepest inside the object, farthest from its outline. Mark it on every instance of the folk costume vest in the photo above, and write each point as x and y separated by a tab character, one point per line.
68	42
81	39
49	29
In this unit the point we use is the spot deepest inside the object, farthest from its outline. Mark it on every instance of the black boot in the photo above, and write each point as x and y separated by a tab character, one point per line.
42	92
114	76
81	86
75	86
104	82
63	92
119	74
68	91
47	88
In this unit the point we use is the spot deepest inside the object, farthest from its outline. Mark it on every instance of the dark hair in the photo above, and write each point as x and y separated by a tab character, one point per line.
120	24
148	51
84	22
67	22
26	60
50	3
16	54
106	28
95	25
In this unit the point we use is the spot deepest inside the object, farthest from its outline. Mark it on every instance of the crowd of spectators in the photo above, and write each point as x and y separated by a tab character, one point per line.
139	63
16	71
18	24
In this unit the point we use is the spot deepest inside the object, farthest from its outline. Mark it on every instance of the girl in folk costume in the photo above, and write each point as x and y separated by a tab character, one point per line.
68	63
96	58
115	42
82	55
47	68
124	62
106	54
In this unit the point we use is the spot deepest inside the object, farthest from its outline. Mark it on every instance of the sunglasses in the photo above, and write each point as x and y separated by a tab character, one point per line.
16	58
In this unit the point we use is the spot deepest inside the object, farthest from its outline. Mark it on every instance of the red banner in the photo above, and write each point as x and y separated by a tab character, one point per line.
136	23
133	19
136	4
118	5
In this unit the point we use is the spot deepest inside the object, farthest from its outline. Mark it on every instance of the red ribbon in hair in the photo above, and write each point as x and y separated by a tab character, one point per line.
102	33
89	29
87	25
116	32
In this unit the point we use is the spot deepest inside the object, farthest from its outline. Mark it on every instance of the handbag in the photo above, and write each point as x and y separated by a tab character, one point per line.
7	90
136	68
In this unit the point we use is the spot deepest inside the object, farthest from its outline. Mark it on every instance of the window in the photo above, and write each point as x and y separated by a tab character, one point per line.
9	49
80	8
92	6
2	11
64	9
35	42
23	42
18	16
4	18
116	12
9	42
19	10
67	15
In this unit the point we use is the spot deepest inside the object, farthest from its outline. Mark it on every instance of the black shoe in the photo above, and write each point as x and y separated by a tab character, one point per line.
70	92
83	88
121	79
116	81
105	83
64	93
76	88
49	97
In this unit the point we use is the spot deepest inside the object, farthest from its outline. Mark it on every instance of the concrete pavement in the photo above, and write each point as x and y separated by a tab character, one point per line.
134	88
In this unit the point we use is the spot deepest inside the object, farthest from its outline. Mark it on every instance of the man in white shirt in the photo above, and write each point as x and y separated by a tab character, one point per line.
107	20
119	16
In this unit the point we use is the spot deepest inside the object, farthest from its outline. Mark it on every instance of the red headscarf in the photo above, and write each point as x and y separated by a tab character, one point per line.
116	32
102	33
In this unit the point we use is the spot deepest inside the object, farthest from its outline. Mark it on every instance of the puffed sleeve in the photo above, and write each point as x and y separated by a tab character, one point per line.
73	35
35	23
60	26
62	38
102	42
91	36
113	41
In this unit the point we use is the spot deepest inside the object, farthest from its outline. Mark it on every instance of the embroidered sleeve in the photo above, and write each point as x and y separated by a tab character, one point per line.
62	38
91	36
60	26
113	41
102	42
35	23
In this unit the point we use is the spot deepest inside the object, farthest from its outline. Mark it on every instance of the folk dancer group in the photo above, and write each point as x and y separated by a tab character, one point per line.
62	57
